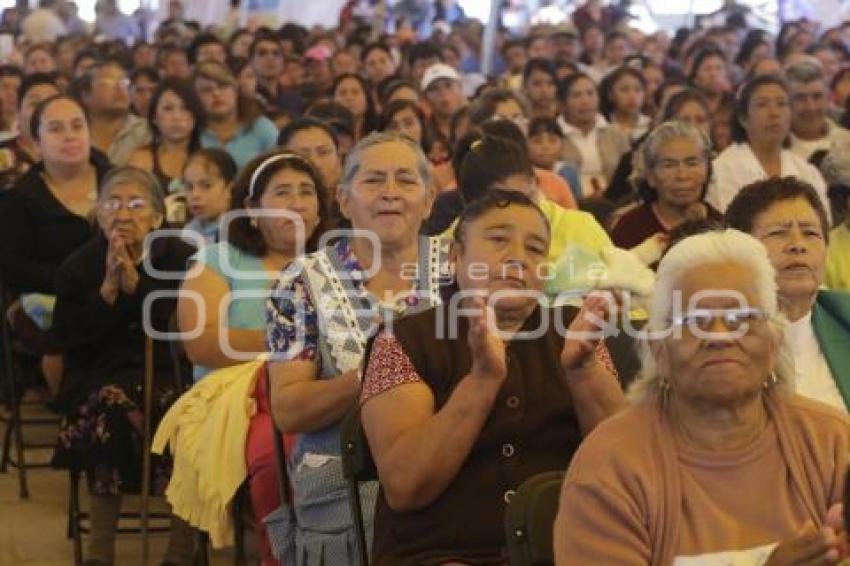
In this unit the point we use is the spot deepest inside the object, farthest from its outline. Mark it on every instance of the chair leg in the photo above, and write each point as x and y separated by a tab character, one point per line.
7	443
18	430
239	558
74	516
359	528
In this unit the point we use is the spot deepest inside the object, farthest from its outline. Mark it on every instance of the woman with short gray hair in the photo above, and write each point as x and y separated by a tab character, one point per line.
381	269
717	460
100	324
671	173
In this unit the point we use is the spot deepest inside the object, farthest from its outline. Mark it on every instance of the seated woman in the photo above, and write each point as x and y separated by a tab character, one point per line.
672	172
458	412
322	310
99	325
836	172
207	185
717	461
257	249
786	214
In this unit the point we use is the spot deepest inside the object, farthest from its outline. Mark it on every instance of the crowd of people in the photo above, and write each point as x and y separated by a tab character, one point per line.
621	255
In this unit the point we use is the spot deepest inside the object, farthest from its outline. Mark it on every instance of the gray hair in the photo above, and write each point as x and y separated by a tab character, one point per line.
646	157
484	107
130	175
728	246
805	70
835	167
352	160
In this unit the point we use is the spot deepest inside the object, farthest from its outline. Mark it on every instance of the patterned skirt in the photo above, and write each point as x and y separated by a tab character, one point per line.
103	437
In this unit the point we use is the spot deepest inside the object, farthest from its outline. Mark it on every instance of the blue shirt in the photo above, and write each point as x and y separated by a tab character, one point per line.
241	272
251	141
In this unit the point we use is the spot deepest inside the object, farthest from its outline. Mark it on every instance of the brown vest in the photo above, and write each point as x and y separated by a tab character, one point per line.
532	428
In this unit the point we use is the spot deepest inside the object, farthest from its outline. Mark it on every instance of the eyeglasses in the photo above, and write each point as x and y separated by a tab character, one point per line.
135	205
734	320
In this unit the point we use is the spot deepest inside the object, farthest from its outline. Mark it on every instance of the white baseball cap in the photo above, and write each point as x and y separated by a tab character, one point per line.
436	72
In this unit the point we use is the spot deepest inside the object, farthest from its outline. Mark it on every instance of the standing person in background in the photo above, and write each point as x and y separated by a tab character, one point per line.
114	24
105	92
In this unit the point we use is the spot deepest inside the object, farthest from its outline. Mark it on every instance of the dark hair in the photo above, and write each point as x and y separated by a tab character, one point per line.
88	53
488	161
248	238
388	85
186	93
301	124
544	125
85	83
375	46
742	102
221	159
701	57
692	227
669	82
454	125
678	100
490	200
34	80
371	117
542	65
393	108
565	85
235	36
147	72
38	113
260	38
11	71
201	40
423	50
606	87
333	114
510	44
757	197
748	47
484	107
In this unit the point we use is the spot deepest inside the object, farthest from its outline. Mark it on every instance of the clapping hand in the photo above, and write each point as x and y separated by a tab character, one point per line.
587	329
488	350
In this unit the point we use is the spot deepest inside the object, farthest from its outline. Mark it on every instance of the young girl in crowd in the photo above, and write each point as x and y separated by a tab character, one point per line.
207	181
545	144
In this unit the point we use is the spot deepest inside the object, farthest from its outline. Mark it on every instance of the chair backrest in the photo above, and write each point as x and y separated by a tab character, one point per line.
179	359
529	519
357	463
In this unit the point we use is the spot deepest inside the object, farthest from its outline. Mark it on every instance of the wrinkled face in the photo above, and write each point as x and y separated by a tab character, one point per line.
293	191
796	245
207	193
716	368
63	134
627	95
218	99
127	210
33	98
406	122
267	60
350	94
141	93
173	118
768	114
809	103
503	250
540	89
318	147
110	91
680	172
378	65
387	194
445	97
544	149
582	103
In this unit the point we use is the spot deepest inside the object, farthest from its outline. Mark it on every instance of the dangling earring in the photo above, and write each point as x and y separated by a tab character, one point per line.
664	389
771	382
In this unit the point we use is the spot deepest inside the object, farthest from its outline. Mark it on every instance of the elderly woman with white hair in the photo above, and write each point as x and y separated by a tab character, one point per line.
716	461
320	314
100	323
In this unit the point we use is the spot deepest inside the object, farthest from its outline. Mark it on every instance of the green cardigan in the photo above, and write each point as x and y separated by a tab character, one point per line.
831	321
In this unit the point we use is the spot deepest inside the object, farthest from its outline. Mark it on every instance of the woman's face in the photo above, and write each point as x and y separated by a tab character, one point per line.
582	102
512	243
127	210
63	134
795	242
218	99
379	65
712	76
540	89
318	147
696	115
141	92
350	94
627	95
544	149
293	191
406	122
680	173
34	96
207	193
716	366
241	46
39	61
387	194
173	118
768	116
653	76
404	93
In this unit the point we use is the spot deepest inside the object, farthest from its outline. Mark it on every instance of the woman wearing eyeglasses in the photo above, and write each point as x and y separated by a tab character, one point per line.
787	216
100	325
717	461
